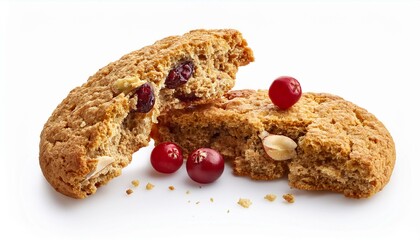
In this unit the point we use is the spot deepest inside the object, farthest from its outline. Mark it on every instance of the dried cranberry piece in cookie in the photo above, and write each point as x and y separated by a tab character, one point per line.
179	75
187	98
145	98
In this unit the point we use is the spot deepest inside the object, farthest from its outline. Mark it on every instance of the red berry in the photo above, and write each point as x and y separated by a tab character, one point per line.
284	92
166	157
179	75
145	98
205	165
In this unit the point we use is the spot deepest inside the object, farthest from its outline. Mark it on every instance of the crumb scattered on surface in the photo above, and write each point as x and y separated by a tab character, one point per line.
228	211
244	202
187	192
270	197
211	199
289	198
135	183
171	188
149	186
189	201
198	202
129	191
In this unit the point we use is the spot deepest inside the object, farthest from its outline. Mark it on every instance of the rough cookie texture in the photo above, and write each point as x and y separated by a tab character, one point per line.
341	147
94	131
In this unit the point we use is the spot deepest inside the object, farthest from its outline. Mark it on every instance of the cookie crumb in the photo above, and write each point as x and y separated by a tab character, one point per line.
129	191
187	192
211	199
270	197
149	186
289	198
135	183
171	188
228	211
198	202
244	202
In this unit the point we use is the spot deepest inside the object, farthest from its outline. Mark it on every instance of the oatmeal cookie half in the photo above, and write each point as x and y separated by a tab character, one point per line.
94	131
339	146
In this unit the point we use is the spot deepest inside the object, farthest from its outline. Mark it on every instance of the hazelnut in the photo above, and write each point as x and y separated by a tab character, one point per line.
126	85
102	163
278	147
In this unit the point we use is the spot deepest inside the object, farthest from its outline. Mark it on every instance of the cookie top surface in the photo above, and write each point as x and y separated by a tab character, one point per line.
97	125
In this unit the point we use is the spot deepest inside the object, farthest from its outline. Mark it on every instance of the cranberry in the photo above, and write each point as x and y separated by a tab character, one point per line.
205	165
166	157
284	92
145	98
187	98
179	75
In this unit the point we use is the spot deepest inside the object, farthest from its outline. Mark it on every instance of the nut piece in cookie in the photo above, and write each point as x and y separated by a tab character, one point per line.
94	131
278	147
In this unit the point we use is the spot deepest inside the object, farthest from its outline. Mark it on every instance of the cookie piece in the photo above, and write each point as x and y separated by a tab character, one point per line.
94	131
340	146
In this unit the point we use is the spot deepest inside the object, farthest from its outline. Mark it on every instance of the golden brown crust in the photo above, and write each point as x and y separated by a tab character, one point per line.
95	124
341	147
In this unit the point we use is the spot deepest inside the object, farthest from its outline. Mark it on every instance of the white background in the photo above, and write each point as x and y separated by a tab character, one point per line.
367	53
